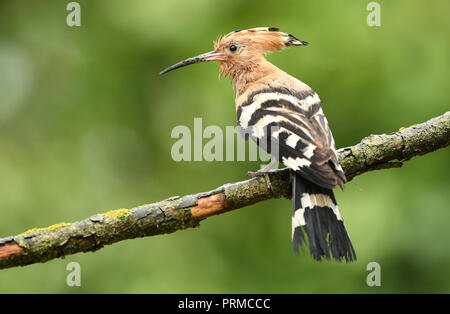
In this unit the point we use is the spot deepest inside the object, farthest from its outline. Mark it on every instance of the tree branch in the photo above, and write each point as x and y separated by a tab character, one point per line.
372	153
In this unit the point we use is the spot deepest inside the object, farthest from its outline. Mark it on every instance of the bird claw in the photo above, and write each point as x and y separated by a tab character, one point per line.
266	176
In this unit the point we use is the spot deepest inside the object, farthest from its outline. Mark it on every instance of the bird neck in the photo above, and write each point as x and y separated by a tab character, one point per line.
244	74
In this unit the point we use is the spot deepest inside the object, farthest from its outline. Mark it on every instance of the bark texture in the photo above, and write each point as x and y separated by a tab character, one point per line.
176	213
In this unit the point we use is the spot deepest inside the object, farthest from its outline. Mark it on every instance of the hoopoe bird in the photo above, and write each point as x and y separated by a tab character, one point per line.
286	111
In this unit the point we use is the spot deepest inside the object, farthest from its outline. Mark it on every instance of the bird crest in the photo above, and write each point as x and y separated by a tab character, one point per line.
266	39
241	53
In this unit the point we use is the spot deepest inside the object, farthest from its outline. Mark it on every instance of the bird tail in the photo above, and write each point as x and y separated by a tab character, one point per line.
315	214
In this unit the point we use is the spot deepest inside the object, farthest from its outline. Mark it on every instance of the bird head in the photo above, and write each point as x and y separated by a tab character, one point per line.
242	50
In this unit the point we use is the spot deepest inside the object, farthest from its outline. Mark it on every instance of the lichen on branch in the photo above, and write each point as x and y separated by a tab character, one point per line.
374	152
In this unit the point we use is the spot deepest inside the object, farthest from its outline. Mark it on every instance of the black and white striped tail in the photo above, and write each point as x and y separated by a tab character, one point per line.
315	215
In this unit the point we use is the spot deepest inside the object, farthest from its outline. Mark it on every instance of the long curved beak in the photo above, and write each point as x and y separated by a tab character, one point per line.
209	56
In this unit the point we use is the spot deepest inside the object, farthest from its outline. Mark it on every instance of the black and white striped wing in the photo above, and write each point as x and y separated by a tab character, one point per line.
292	127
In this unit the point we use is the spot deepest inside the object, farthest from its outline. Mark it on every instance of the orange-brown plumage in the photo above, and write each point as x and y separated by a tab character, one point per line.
273	106
248	64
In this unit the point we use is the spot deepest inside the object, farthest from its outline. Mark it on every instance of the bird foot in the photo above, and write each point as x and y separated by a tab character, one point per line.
266	176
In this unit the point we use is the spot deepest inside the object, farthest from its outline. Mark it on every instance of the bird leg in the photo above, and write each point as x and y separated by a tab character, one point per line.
264	171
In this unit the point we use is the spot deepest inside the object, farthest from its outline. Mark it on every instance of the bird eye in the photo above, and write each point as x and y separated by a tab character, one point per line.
233	48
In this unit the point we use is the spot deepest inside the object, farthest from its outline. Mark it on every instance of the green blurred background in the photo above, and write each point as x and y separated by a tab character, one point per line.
85	124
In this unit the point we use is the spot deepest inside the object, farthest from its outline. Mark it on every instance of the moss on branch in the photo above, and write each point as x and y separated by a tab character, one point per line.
374	152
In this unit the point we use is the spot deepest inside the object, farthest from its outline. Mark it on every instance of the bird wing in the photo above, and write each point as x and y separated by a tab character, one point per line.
291	126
